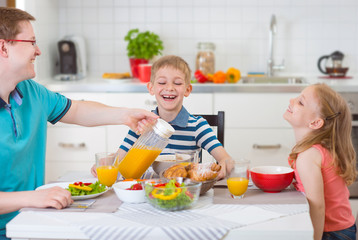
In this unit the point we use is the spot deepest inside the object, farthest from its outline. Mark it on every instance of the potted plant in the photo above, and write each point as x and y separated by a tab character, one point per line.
142	47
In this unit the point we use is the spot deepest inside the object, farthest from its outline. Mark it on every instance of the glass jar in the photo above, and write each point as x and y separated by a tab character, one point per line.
145	150
205	58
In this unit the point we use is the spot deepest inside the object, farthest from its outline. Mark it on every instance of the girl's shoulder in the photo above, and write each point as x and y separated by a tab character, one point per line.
311	155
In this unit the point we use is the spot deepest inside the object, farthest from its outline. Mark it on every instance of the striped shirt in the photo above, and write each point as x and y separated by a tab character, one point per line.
192	133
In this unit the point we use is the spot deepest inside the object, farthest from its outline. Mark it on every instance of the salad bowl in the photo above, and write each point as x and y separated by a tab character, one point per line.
172	195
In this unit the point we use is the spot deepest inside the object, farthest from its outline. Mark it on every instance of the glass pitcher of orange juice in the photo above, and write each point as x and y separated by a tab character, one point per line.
145	150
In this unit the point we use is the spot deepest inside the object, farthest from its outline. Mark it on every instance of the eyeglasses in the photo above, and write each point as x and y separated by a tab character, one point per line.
33	42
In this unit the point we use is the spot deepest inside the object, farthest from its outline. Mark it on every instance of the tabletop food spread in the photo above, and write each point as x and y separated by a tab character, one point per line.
171	211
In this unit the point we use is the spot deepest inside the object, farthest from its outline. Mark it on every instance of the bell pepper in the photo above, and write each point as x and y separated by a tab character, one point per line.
210	77
200	76
219	77
84	187
233	75
159	193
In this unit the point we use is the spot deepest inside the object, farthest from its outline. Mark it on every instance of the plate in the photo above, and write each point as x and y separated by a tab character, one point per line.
64	185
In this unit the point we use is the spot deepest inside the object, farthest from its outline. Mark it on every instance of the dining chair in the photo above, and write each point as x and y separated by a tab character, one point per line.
218	121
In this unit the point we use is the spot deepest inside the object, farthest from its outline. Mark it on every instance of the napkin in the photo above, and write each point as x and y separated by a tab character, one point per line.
257	196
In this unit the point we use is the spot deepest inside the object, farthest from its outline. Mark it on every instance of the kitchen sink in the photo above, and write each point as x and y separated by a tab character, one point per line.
273	80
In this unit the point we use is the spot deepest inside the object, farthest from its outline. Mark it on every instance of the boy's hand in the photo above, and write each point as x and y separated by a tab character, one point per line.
226	167
93	170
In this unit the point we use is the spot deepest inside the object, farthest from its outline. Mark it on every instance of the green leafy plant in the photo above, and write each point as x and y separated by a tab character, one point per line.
143	44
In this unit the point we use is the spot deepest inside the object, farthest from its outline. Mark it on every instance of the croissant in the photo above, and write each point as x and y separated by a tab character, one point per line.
203	172
174	171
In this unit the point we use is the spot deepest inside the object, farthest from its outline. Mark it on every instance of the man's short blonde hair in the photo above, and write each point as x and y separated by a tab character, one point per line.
9	21
174	62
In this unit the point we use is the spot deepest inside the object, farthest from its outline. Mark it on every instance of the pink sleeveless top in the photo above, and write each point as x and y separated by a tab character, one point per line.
338	212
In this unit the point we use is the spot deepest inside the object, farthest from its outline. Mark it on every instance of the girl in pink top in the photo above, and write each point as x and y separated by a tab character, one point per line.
324	159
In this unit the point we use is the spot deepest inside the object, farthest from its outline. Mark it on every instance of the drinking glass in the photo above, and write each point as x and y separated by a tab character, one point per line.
238	178
107	172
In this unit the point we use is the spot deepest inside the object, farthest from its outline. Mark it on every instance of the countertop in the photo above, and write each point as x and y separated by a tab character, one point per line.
92	84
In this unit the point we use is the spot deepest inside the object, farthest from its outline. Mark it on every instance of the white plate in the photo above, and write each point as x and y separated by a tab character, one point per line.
65	185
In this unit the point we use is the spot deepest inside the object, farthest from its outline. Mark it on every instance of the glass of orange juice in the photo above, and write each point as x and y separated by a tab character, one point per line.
238	178
106	171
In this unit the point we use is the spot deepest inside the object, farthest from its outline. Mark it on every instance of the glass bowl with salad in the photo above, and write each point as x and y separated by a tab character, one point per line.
172	195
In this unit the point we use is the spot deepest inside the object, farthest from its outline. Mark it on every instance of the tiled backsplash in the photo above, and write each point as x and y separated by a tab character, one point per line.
307	29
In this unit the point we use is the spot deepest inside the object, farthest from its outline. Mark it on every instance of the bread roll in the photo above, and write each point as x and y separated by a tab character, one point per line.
175	171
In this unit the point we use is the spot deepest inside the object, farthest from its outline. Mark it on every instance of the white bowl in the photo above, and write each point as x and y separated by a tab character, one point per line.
128	196
164	161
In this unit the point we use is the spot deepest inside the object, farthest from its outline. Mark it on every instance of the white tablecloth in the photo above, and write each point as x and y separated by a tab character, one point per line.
204	221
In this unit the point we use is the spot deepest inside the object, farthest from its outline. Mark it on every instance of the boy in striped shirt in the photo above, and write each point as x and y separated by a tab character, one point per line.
170	83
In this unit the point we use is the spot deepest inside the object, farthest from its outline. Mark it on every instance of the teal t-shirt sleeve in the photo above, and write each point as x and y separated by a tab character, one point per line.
55	104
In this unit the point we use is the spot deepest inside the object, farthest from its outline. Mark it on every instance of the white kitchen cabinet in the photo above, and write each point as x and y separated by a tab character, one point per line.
261	146
71	147
254	126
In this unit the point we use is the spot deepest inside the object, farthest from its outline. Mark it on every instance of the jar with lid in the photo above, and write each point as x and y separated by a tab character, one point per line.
145	150
205	58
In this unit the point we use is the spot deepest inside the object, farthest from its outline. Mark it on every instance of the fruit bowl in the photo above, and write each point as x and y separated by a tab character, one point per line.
172	195
128	196
271	179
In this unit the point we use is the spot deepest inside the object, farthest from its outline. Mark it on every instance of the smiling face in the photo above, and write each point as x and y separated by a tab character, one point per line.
22	55
169	88
303	112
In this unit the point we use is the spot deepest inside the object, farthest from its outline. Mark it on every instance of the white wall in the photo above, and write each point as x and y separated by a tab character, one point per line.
307	29
46	28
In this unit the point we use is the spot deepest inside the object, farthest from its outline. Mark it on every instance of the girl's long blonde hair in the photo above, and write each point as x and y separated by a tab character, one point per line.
334	135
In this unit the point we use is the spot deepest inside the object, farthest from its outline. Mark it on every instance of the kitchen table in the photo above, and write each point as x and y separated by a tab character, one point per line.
211	221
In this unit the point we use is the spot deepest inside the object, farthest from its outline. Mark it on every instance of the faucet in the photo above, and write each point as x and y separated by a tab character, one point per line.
270	63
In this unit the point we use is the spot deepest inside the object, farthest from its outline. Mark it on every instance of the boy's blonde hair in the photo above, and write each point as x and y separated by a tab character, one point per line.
174	62
334	135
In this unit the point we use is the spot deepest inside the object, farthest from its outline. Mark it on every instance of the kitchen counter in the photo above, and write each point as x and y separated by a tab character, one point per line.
135	86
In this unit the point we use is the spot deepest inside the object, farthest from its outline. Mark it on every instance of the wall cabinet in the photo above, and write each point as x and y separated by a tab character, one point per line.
254	126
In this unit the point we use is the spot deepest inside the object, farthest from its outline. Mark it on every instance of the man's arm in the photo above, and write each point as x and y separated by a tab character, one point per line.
56	197
90	114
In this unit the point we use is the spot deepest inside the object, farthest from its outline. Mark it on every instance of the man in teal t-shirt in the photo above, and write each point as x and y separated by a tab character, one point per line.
25	109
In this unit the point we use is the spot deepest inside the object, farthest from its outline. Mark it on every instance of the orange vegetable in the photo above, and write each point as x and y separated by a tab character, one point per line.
219	77
233	75
210	77
132	179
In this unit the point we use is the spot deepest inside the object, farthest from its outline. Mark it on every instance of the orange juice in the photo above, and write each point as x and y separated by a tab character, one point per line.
107	175
237	185
137	161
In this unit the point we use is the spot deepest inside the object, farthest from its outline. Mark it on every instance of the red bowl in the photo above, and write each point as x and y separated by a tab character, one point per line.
271	178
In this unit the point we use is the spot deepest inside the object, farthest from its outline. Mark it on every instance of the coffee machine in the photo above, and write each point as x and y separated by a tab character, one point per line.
72	62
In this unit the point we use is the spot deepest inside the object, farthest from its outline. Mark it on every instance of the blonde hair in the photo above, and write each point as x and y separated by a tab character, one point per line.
334	135
174	62
9	21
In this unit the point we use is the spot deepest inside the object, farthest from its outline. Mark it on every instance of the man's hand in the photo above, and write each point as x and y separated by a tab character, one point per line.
55	197
138	119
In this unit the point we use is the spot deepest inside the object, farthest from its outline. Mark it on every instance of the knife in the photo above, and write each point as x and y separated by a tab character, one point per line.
82	203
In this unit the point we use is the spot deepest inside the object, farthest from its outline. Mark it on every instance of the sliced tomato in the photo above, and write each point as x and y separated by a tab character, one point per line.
160	185
189	194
